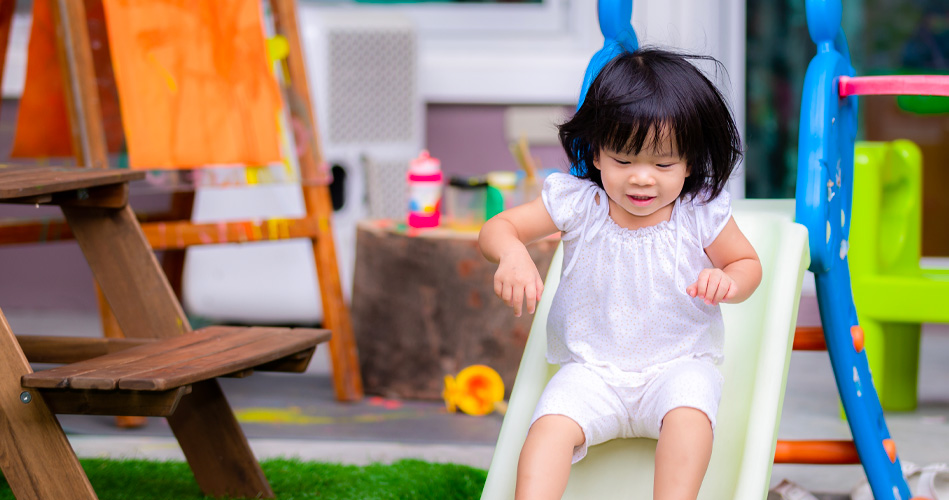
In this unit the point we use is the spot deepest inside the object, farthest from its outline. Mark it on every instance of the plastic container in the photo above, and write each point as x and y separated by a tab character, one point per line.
502	186
465	202
425	191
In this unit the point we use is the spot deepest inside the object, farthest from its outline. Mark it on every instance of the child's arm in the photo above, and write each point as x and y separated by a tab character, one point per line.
504	240
737	270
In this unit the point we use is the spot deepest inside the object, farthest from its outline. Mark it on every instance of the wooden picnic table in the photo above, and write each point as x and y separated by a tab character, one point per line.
162	368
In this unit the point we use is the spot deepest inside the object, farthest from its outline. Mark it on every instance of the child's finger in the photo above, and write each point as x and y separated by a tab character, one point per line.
530	299
506	292
539	284
498	287
517	298
712	289
690	290
721	292
731	292
701	285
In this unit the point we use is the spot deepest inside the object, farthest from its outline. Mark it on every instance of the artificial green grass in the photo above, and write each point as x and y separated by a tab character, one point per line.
290	480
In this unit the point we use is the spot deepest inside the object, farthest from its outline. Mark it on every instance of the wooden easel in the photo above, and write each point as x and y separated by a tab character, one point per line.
89	146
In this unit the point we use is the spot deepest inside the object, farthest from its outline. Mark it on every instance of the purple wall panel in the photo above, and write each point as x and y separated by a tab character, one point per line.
469	140
46	276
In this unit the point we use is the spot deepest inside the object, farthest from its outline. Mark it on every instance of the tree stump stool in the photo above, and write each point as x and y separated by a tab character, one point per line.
424	307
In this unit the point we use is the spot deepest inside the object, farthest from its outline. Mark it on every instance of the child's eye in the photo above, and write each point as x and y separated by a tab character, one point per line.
621	162
665	165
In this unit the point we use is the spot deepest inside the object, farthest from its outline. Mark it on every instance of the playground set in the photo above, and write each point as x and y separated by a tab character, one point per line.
760	332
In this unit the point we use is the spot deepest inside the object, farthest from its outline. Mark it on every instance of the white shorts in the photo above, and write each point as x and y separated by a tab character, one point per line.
605	412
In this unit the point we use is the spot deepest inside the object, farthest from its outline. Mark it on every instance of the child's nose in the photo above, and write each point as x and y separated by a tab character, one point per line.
641	177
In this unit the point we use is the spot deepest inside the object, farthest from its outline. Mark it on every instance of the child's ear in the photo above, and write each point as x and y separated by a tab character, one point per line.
596	161
688	170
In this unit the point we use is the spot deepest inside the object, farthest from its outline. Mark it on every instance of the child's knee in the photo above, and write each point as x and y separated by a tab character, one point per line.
687	417
559	427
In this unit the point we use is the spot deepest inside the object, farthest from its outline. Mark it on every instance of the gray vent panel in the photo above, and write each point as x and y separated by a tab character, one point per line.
386	188
372	86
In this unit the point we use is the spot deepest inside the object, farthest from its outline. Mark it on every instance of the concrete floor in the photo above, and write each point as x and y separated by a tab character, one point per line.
296	415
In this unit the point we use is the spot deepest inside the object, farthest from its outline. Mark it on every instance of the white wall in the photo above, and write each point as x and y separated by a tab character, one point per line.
478	53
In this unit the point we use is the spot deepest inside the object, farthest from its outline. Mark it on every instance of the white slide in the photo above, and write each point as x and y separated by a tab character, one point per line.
758	337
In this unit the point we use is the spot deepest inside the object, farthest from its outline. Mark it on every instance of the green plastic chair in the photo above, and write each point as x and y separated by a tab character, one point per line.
893	294
758	337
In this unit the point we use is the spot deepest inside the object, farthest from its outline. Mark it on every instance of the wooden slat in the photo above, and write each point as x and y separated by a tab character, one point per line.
55	349
169	235
295	363
112	196
215	446
163	365
32	443
14	232
128	272
18	182
120	403
59	377
347	380
182	234
109	375
271	344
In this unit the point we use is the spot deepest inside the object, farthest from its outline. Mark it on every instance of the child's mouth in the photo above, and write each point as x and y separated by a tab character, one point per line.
640	201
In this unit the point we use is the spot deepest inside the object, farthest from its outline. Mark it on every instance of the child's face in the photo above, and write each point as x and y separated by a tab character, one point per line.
642	187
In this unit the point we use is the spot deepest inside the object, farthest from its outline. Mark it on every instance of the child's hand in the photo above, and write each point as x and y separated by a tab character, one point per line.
517	281
714	286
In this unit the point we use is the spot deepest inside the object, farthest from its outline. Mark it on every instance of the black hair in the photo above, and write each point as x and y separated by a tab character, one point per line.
644	94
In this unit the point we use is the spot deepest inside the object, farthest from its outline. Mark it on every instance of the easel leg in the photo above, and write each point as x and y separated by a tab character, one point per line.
6	21
347	379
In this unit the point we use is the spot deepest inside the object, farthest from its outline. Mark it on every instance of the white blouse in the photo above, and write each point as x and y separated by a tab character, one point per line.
621	307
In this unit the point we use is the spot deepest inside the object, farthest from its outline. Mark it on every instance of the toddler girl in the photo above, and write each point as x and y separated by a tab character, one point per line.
650	250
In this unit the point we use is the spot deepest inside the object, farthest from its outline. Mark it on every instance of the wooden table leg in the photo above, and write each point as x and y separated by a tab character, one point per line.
127	271
215	446
145	306
37	459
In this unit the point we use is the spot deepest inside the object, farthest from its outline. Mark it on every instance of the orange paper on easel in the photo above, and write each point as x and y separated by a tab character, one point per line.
43	128
194	83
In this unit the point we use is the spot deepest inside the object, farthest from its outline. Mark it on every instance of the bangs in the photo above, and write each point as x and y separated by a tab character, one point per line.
646	117
634	137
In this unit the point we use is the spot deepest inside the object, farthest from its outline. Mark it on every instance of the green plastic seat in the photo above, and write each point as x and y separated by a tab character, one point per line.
758	337
893	294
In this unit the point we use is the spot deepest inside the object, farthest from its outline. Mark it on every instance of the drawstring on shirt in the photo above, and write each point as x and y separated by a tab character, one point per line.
677	210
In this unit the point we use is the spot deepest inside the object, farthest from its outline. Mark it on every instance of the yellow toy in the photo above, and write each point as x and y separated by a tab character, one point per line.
478	390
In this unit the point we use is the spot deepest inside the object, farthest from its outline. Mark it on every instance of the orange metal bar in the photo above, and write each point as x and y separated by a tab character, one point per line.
809	338
816	452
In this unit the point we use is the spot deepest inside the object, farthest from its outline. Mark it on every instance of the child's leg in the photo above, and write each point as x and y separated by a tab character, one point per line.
544	464
682	455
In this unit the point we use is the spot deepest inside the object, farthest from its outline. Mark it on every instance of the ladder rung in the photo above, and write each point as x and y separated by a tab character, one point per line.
809	338
816	452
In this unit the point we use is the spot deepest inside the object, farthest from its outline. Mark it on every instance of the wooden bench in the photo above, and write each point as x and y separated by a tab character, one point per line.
149	378
162	368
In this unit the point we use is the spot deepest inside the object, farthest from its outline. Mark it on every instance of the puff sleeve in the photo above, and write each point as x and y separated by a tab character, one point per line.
567	199
711	217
